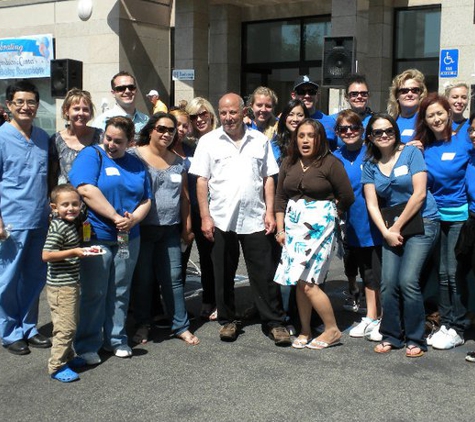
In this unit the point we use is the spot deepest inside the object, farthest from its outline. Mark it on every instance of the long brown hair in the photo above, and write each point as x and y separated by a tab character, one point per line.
320	141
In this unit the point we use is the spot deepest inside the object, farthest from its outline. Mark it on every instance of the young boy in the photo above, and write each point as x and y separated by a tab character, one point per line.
62	253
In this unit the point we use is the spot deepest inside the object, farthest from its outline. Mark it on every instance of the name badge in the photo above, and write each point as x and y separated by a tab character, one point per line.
448	156
175	178
112	171
407	132
401	171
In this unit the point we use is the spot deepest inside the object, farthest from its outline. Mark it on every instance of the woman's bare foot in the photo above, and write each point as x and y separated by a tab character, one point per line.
189	338
330	336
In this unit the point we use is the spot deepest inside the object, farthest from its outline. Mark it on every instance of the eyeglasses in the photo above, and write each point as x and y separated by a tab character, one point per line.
122	88
203	115
378	133
470	130
21	103
355	94
165	129
309	91
344	129
415	90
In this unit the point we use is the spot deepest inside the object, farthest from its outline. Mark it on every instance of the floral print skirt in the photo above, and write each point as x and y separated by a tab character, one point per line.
310	242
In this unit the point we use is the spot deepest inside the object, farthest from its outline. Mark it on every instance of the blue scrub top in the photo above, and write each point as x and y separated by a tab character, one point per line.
328	123
407	126
23	178
470	182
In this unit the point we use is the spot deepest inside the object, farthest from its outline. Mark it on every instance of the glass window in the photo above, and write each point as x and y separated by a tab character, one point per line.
417	42
313	33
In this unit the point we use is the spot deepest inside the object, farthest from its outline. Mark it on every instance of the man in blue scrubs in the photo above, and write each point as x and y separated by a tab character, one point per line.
24	210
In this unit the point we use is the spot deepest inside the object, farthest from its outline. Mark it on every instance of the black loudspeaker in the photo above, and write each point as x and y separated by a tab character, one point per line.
65	75
338	60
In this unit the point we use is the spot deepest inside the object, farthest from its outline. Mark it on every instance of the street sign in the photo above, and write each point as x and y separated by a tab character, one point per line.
449	63
183	75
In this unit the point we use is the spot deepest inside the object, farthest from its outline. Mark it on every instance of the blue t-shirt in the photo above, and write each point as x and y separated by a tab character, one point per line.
360	229
460	126
446	164
470	182
124	183
397	188
407	126
329	125
23	178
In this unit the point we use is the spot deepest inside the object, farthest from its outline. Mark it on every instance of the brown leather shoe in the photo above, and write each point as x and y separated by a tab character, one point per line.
281	336
228	332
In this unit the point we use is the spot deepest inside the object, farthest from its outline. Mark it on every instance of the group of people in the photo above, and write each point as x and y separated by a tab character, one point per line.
129	194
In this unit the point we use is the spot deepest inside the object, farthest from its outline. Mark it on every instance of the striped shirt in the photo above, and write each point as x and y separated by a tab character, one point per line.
62	235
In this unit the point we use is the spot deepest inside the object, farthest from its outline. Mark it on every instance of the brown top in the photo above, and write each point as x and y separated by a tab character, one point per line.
323	180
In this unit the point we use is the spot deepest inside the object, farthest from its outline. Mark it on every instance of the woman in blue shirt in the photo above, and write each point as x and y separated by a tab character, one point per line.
115	187
397	175
465	247
446	156
363	240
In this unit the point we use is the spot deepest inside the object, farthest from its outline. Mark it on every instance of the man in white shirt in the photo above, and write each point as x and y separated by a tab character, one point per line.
124	89
234	165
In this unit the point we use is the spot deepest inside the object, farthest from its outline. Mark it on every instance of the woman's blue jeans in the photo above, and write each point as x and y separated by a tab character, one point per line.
160	262
105	293
451	309
403	319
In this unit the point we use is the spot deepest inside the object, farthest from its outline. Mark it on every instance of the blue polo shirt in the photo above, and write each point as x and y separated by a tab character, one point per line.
328	123
397	188
470	182
360	229
23	178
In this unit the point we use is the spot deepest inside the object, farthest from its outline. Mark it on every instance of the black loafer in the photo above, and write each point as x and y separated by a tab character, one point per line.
39	341
18	347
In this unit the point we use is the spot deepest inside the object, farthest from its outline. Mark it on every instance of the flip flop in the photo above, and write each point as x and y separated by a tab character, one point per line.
300	343
384	347
410	351
188	338
319	344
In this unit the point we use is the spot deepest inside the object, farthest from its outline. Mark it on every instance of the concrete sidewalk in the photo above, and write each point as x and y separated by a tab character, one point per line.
248	380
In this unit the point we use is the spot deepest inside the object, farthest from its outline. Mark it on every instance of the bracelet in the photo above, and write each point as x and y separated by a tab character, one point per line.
279	233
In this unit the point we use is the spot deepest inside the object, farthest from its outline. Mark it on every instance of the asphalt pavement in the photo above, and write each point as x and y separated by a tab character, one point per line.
248	380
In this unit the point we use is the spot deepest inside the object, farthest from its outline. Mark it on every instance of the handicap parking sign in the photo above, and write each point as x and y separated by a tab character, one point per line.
449	63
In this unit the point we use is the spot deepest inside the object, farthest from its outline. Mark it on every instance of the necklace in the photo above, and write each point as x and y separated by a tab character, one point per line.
306	167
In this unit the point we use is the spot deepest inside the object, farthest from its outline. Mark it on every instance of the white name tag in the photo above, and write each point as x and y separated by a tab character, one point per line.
175	178
407	132
448	156
401	171
112	171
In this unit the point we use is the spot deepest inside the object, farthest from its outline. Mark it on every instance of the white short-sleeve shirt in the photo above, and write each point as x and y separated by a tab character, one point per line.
235	178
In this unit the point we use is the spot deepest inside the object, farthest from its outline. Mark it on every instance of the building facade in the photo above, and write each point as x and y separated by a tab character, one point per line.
237	45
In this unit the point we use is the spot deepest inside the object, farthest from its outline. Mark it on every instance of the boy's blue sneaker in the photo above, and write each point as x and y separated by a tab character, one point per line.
65	374
77	362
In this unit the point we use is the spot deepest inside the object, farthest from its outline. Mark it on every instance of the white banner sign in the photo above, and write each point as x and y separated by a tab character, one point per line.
26	57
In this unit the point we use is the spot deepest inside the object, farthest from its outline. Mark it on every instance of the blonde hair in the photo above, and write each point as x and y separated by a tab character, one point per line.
74	96
452	85
194	106
394	110
271	125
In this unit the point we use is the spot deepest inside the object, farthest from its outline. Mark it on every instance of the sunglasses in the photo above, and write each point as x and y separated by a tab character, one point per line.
203	115
356	94
415	90
378	133
344	129
122	88
165	129
310	91
470	130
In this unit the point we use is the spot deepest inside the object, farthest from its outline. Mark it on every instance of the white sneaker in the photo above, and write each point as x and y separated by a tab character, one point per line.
449	341
91	358
374	334
365	326
123	351
442	331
